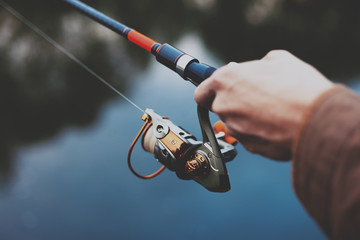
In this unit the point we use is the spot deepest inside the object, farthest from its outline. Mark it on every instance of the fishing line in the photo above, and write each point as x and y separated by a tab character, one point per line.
46	37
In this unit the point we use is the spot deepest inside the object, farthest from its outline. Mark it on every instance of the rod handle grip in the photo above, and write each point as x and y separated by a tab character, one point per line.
198	72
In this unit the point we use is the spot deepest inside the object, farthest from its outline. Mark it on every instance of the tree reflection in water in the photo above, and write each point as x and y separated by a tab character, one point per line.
42	92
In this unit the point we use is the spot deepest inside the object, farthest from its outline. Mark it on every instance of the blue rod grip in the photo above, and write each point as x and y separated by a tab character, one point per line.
198	72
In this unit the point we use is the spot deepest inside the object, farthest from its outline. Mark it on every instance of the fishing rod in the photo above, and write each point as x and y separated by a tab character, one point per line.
185	65
175	148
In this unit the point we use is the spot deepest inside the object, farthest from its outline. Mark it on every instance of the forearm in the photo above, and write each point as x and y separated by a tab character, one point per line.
326	163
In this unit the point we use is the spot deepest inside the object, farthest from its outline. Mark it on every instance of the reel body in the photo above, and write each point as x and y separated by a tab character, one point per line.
179	151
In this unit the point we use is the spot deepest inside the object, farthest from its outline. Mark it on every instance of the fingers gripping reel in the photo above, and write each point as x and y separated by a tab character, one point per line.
179	151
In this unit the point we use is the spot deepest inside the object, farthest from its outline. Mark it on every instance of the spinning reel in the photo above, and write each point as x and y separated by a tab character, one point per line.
179	151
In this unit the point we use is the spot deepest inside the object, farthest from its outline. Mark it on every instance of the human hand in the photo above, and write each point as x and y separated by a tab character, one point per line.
262	102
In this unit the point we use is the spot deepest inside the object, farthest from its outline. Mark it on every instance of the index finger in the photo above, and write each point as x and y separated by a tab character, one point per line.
204	94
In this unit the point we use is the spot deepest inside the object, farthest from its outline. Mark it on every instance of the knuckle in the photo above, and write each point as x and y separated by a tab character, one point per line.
228	67
218	79
275	54
225	72
216	107
232	64
216	83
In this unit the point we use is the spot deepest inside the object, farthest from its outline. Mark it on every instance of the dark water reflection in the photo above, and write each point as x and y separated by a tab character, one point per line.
65	135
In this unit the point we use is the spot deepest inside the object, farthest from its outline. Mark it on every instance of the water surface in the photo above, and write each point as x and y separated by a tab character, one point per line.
66	136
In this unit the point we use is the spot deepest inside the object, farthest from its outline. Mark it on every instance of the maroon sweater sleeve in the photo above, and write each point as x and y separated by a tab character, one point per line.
326	164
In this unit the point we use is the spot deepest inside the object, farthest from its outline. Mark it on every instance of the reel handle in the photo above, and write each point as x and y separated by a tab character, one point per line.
219	127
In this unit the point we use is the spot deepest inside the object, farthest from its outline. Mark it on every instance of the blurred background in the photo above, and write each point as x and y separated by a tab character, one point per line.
65	135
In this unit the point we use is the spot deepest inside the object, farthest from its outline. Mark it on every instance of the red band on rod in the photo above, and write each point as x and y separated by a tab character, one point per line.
141	40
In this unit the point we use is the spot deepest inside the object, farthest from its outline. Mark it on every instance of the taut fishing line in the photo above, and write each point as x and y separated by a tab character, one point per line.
46	37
